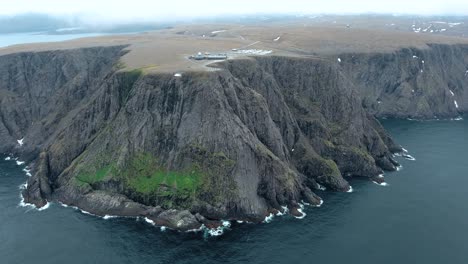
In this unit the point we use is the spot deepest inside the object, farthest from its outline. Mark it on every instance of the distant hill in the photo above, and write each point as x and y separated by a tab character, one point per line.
31	23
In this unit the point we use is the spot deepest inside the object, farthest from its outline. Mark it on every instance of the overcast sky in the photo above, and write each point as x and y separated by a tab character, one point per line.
170	9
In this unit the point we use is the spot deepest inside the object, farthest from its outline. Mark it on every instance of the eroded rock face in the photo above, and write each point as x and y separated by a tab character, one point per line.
237	144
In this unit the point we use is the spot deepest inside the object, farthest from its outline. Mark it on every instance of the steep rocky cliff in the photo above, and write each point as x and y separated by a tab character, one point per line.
238	143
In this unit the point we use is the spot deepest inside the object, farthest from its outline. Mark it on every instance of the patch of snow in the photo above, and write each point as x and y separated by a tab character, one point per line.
163	228
454	24
451	92
254	52
218	31
466	73
457	118
456	104
106	217
276	39
350	189
68	29
339	59
19	163
321	187
20	142
178	75
415	57
404	150
8	158
443	30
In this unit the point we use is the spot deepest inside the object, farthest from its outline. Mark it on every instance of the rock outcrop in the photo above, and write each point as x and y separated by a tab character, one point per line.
238	143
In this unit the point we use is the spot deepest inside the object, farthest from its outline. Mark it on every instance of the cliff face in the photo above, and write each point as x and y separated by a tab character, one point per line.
412	83
237	143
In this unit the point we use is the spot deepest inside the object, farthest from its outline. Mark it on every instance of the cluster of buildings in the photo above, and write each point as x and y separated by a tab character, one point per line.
209	56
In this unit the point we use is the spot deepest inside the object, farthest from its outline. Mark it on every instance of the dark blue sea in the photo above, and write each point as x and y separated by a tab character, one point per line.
420	217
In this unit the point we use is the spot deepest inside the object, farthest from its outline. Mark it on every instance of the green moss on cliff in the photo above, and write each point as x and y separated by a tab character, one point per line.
144	175
363	154
202	176
331	169
93	176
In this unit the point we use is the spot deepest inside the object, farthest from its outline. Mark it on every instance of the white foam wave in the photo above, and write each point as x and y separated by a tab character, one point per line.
399	168
8	158
269	218
191	230
350	189
31	206
86	212
457	118
302	212
404	150
23	186
320	203
106	217
19	163
381	184
149	221
220	230
28	172
46	206
408	157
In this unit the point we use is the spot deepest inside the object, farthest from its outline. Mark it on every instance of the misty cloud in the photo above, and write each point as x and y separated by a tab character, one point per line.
147	10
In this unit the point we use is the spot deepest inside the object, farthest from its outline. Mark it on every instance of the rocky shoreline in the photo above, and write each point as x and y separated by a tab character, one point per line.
237	144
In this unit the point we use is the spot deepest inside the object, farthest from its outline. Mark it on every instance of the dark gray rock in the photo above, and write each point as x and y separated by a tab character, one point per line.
241	142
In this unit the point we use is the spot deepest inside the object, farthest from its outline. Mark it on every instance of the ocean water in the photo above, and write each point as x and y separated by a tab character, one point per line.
420	217
35	37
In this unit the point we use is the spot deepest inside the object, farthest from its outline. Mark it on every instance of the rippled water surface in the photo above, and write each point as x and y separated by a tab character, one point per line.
421	217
